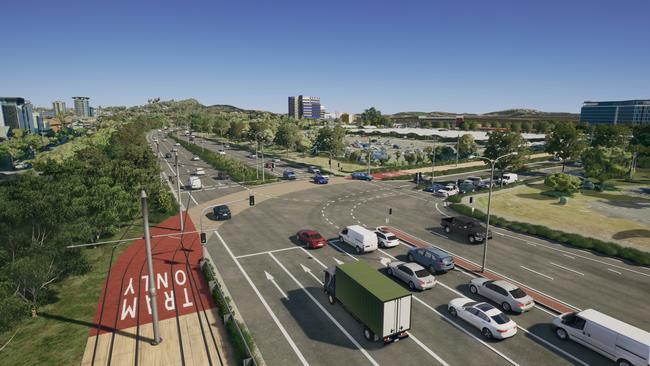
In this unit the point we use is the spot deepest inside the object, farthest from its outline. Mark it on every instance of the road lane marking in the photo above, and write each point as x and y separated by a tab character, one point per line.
568	269
308	270
337	261
313	257
442	213
267	252
611	270
541	274
343	251
440	235
581	256
427	349
266	305
272	279
318	304
568	256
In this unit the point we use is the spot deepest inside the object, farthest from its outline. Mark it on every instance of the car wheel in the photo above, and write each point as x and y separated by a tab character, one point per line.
368	334
506	307
390	271
432	269
341	239
471	239
561	333
331	299
486	333
453	312
358	250
447	229
411	285
473	289
410	256
623	363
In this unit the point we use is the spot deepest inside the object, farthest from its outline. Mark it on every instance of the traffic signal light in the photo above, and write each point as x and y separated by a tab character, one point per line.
251	200
203	238
390	211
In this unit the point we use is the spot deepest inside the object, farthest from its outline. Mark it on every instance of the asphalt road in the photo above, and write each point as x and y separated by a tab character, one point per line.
276	284
213	188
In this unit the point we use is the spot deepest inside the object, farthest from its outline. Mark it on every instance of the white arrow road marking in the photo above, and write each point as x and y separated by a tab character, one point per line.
337	260
306	269
266	306
338	325
270	278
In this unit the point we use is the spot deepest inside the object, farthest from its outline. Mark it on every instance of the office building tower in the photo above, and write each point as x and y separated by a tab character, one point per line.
16	113
616	112
81	106
59	107
304	107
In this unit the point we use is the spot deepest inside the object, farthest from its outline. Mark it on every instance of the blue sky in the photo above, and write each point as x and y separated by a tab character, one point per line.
469	56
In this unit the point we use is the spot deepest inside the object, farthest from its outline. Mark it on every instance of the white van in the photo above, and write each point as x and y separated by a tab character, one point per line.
362	239
194	183
508	178
623	343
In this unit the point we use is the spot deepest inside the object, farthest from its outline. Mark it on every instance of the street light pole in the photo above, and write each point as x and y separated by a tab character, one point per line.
457	148
487	220
178	189
152	284
433	160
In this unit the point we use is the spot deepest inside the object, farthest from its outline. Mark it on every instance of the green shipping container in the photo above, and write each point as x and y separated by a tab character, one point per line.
379	303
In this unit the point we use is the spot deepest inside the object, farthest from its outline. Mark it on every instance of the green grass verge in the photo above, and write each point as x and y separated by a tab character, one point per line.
240	342
58	335
238	171
575	240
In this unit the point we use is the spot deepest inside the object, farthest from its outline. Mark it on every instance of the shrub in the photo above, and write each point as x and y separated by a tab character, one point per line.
562	182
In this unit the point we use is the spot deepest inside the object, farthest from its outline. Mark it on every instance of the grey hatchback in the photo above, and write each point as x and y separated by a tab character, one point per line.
434	259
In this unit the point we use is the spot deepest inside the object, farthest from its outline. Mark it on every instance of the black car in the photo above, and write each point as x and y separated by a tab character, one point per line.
221	212
168	155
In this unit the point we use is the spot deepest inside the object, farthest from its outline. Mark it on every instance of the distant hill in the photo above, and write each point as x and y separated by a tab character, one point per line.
508	113
225	108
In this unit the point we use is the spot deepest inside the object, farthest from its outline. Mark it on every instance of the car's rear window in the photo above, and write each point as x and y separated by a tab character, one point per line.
517	293
315	236
500	318
391	237
422	273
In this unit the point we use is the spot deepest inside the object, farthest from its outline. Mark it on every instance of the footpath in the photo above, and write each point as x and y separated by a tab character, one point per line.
189	326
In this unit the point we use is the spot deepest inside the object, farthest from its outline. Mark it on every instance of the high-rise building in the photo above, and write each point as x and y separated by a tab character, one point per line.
616	112
16	113
304	107
59	107
81	106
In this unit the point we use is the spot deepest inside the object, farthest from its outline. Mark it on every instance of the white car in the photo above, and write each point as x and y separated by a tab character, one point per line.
174	149
413	274
177	144
276	160
386	239
193	183
195	158
511	297
222	152
447	191
489	320
164	139
198	171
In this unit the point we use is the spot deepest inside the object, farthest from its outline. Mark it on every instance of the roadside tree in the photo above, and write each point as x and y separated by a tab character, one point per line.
503	143
564	141
604	164
467	146
288	136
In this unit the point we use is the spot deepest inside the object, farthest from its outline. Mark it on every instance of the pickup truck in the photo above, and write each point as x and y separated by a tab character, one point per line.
470	228
381	305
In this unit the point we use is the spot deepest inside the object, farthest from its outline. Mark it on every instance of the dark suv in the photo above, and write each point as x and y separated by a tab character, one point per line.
221	212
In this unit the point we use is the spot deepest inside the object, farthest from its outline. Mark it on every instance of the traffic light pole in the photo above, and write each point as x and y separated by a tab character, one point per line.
152	283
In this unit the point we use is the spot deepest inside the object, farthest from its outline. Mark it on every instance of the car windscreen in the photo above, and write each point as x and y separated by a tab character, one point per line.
517	293
422	273
500	318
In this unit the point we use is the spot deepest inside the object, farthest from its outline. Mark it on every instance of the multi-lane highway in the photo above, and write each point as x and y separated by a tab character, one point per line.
277	284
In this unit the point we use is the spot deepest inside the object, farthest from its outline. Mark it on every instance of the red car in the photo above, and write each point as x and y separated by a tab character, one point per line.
311	238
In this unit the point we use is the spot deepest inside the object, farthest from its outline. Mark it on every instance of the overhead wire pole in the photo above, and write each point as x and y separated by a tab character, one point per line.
178	189
152	284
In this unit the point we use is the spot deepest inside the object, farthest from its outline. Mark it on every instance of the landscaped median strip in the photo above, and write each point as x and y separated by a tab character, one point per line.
540	298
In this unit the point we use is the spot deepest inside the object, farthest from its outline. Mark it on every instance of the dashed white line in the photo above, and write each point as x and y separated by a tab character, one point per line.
541	274
567	269
611	270
427	350
568	256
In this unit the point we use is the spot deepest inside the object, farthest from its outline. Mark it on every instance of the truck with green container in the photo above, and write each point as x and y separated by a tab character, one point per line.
381	305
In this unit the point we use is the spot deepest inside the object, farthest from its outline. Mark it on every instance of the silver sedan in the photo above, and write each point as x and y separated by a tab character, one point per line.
509	296
416	276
